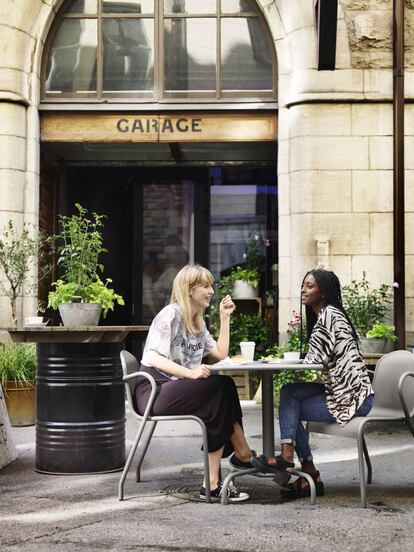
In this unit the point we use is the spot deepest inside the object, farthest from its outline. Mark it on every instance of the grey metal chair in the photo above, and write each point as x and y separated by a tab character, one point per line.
130	368
393	384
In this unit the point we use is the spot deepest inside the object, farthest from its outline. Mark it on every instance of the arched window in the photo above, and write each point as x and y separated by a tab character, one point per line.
159	50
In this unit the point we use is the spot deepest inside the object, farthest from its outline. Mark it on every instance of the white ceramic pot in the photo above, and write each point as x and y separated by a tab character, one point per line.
243	290
80	314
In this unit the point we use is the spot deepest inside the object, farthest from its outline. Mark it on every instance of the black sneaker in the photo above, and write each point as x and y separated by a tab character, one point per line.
238	464
233	494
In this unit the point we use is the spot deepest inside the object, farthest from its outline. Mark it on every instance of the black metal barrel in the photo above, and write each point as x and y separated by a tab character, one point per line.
80	408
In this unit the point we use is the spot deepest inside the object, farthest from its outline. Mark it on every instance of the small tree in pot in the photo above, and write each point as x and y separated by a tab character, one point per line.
79	246
17	251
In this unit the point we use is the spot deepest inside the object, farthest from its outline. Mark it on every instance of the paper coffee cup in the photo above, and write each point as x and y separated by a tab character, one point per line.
247	349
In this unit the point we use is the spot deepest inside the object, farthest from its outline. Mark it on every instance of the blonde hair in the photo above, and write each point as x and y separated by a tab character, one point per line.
189	277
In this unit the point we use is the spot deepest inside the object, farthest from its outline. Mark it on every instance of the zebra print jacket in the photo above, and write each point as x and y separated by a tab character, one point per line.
346	380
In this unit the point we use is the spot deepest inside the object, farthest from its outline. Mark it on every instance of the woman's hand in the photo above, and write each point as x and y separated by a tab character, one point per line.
202	372
227	306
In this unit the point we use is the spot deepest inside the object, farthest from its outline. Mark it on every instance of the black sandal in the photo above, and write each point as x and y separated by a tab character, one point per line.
262	464
295	489
238	464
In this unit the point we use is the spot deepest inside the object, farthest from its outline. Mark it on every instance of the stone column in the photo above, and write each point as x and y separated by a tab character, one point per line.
12	177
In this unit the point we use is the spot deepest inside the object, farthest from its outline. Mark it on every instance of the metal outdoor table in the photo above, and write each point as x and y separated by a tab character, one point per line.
266	368
80	401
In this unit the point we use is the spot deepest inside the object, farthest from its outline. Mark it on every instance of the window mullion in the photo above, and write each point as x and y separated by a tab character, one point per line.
99	53
218	51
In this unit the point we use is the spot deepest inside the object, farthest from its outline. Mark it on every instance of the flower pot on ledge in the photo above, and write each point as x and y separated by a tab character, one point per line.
20	401
374	345
80	314
244	290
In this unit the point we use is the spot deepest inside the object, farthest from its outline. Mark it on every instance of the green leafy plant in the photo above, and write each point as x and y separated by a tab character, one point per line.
95	292
225	287
17	363
249	275
18	250
293	344
79	246
255	252
381	330
247	327
365	304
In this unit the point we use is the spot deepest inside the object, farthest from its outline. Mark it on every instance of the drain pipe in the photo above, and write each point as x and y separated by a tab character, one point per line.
398	171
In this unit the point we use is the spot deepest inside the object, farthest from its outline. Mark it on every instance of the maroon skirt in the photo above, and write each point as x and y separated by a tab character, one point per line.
214	400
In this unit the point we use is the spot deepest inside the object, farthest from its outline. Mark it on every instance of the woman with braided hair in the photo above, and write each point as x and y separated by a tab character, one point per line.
346	390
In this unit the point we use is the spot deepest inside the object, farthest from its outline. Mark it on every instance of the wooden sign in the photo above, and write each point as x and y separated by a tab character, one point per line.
171	127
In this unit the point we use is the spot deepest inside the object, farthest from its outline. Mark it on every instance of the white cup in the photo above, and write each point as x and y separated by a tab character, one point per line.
247	349
294	355
33	319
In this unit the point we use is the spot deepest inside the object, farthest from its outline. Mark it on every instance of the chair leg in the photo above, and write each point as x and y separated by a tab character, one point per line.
206	462
367	460
129	460
229	479
360	441
143	452
311	483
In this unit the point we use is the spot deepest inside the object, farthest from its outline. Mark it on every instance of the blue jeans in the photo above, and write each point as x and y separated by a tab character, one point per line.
307	402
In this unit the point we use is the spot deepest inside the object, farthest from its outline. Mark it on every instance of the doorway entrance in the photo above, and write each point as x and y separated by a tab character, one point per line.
161	217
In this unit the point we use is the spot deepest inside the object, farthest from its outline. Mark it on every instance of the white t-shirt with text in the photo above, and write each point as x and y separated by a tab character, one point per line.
168	337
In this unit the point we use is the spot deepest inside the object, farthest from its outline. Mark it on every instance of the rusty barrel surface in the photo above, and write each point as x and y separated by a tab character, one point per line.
80	408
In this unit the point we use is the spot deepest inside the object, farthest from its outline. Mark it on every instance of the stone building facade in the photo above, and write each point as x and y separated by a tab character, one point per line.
334	139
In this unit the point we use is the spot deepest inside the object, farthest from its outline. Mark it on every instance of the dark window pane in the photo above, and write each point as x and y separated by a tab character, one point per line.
245	55
128	6
128	62
190	6
82	6
190	62
243	205
72	59
167	239
237	6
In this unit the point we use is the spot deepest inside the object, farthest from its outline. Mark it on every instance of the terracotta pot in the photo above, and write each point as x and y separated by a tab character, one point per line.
20	402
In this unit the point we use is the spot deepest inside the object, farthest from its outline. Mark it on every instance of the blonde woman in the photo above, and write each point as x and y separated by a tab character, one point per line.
176	344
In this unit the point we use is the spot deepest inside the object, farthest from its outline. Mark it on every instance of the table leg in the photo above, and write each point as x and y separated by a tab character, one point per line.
268	426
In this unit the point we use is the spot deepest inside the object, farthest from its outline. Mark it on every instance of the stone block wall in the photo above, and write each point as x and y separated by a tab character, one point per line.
340	189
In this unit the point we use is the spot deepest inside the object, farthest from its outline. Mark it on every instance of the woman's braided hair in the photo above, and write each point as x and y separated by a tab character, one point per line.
330	288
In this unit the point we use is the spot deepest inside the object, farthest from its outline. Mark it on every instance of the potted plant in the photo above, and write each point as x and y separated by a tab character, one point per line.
293	343
18	250
245	282
80	294
380	337
366	307
17	375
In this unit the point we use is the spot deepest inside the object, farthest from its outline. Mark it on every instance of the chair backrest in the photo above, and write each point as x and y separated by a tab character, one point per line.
387	374
129	365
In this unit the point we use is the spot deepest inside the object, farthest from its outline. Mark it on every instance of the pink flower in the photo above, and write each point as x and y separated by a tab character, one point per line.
396	285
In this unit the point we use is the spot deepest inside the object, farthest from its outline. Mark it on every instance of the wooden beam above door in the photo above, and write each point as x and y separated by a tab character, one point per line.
169	127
